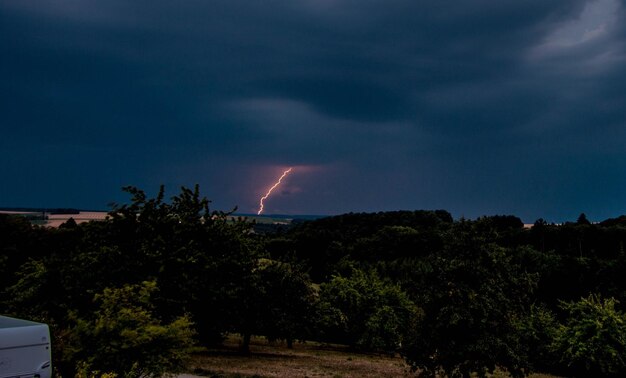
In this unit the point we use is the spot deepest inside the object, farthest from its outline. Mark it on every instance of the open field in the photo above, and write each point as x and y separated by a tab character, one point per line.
309	359
55	219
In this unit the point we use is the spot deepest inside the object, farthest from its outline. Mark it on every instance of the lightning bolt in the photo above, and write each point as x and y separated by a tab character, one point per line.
271	189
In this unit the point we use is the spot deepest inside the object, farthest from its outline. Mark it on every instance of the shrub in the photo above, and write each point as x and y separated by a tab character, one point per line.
593	340
124	337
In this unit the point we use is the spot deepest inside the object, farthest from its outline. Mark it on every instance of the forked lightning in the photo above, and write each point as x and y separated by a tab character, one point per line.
272	188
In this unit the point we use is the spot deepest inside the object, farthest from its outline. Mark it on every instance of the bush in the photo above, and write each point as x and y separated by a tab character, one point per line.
593	340
124	338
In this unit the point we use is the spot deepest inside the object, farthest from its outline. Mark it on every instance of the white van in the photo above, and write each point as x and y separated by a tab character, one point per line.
24	349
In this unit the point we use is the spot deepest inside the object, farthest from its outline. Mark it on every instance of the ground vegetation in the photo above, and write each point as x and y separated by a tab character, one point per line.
134	294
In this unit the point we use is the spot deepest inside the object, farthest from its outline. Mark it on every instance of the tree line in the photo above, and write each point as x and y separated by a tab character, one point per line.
132	295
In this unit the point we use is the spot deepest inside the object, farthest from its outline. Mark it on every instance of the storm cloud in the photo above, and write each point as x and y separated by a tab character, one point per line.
476	107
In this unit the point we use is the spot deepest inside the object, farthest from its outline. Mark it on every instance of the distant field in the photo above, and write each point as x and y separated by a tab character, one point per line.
265	219
277	218
309	359
55	219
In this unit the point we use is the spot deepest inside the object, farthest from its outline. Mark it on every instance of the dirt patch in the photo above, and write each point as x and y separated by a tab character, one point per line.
308	359
304	360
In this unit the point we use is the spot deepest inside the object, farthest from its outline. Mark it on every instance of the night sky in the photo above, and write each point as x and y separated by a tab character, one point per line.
476	107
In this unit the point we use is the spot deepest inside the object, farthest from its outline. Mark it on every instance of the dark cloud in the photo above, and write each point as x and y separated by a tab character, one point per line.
476	107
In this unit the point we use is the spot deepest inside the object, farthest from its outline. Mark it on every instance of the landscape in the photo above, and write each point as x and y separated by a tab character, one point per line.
164	283
312	188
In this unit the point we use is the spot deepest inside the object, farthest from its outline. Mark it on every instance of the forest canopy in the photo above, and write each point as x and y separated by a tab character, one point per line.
131	295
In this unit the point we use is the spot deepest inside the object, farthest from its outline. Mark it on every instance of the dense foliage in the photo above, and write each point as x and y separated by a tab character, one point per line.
131	295
124	336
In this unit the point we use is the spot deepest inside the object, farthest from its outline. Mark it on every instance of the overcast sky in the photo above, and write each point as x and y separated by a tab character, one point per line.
476	107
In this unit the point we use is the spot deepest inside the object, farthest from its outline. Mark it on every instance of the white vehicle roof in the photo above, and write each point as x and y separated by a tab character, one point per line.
18	332
7	322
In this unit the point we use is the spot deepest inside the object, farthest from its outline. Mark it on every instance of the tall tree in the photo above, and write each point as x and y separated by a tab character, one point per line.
472	304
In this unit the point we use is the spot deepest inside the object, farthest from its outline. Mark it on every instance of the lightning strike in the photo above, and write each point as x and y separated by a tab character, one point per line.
271	189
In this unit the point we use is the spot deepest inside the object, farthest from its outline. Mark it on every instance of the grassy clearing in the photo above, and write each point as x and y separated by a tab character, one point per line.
304	360
308	359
